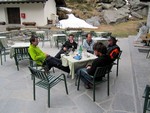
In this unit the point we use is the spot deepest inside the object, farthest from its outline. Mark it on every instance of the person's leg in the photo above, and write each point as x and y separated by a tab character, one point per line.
84	76
54	62
58	55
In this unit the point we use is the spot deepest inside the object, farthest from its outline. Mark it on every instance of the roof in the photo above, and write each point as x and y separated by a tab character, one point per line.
21	1
58	2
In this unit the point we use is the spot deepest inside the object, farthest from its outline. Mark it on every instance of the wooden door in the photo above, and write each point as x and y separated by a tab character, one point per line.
13	15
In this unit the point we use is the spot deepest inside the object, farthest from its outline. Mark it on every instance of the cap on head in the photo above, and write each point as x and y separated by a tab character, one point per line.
112	39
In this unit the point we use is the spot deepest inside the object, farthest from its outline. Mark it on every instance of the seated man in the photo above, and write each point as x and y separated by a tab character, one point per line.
100	51
42	58
113	49
88	43
70	44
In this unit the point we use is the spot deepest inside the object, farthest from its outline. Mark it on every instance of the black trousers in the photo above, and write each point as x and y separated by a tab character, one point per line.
59	53
55	62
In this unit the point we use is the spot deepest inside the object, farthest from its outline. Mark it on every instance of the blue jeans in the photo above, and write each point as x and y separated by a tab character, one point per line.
84	75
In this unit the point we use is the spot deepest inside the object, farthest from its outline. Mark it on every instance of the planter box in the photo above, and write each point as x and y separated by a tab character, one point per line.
29	23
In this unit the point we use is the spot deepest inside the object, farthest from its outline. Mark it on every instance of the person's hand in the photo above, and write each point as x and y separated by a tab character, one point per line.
88	67
65	49
46	54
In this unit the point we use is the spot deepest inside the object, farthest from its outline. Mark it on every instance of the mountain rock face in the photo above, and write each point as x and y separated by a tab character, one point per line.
109	11
116	11
95	21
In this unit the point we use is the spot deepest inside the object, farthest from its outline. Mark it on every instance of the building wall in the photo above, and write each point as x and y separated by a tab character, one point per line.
148	17
2	13
34	12
50	10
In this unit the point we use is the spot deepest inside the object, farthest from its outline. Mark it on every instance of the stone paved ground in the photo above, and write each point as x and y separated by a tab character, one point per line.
125	90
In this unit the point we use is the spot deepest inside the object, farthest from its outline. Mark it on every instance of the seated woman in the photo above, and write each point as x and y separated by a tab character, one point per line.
100	51
70	44
88	43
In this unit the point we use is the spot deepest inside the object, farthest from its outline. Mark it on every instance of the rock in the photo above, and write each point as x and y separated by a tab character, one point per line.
125	9
99	9
106	6
106	1
139	8
62	14
134	14
95	21
119	3
115	16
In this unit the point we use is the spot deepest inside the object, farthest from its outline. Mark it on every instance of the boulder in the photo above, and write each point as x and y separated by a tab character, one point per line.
136	15
119	3
106	6
62	14
95	21
106	1
115	16
139	8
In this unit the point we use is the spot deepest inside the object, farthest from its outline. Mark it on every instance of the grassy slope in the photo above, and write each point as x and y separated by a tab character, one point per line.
120	30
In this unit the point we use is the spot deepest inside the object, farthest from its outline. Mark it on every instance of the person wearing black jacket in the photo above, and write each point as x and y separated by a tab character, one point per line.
113	49
102	60
70	44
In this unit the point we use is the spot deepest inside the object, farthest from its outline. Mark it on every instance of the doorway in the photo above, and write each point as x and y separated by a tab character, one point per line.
13	15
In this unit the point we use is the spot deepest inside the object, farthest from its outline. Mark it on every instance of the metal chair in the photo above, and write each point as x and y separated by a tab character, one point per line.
20	54
3	52
93	33
33	64
46	81
146	95
117	62
60	39
106	34
99	73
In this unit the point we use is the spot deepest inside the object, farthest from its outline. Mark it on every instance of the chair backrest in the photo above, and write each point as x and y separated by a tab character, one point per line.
94	33
31	60
101	71
61	39
21	53
39	74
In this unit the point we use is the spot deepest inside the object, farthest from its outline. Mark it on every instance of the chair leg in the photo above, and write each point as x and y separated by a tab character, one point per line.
145	105
94	92
53	70
48	95
1	59
65	84
147	56
4	55
78	83
108	84
17	64
117	68
33	87
76	80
